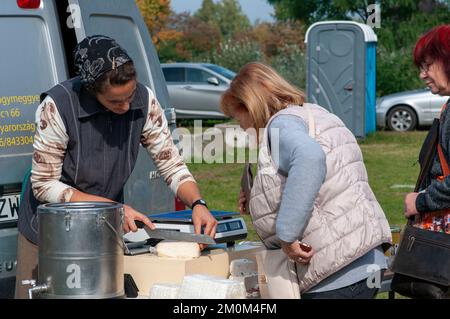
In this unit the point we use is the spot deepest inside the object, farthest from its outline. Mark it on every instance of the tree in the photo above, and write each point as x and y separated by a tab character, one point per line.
306	11
156	14
199	38
208	12
309	11
273	38
231	18
235	54
402	22
227	15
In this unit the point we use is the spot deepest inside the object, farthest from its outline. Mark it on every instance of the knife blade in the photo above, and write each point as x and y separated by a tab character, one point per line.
176	235
180	236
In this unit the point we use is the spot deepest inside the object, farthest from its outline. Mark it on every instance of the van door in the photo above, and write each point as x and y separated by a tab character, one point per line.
120	19
31	61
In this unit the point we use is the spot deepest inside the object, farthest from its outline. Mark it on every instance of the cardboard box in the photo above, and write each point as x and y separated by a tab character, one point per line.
148	269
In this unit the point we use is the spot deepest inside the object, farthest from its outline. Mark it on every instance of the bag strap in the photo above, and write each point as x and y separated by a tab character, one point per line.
428	155
444	164
442	160
428	160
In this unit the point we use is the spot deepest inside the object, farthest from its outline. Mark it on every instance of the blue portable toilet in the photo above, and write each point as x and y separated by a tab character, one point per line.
341	72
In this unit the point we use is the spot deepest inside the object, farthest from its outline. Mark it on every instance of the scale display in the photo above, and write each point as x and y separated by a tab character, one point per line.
233	225
186	216
229	227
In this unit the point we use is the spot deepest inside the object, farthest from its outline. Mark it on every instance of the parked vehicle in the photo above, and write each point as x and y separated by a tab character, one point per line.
38	38
405	111
195	89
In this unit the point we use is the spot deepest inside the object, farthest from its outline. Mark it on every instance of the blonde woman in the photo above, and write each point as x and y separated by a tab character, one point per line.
315	190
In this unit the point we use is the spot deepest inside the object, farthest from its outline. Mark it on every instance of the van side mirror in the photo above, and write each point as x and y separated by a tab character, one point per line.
213	80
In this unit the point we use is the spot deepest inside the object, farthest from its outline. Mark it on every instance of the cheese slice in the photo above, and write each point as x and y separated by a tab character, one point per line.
164	291
210	287
178	249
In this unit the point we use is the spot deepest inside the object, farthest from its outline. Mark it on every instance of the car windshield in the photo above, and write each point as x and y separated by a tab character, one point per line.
222	71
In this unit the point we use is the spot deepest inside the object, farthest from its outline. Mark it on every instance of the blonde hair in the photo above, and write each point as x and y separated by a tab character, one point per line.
262	91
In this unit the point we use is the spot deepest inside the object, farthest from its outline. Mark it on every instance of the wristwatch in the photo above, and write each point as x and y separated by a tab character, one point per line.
199	202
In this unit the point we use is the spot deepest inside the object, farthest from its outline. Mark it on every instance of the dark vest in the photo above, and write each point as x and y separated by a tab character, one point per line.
101	151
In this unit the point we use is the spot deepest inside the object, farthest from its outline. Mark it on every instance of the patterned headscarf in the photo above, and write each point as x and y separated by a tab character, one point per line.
96	55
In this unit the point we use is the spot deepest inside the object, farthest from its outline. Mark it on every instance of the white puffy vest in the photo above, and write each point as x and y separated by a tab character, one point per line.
347	221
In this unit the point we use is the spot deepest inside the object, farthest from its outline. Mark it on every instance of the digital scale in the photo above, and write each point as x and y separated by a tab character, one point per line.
228	230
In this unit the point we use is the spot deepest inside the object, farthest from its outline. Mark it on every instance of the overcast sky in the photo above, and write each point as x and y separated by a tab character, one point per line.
254	9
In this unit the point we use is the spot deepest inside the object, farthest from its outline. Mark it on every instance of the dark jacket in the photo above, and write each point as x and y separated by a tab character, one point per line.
437	194
102	149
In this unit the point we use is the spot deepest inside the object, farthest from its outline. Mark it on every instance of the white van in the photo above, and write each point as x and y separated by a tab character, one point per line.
37	38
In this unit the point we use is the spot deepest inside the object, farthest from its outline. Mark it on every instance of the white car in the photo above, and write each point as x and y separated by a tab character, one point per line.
195	89
407	110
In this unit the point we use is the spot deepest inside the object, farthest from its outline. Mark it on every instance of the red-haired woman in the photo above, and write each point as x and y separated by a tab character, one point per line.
432	57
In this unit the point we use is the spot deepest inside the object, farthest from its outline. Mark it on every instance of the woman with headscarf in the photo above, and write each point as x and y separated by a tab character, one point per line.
89	129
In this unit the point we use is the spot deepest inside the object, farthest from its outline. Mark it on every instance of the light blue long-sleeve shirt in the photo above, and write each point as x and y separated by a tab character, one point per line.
303	161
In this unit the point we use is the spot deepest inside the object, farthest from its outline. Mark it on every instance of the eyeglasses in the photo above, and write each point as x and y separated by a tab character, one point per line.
425	67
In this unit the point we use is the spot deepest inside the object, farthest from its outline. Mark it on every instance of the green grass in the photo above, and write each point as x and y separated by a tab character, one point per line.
220	185
390	158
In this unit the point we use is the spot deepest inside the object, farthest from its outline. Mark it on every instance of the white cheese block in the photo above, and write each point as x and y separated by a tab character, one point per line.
164	291
178	249
242	267
210	287
250	281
